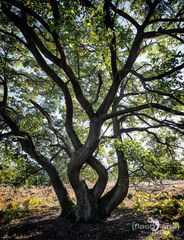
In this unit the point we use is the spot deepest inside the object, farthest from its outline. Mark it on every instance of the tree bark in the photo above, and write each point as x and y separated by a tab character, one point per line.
101	183
29	147
86	210
62	195
115	196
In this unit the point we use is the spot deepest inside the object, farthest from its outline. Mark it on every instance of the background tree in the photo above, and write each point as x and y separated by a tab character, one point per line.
78	73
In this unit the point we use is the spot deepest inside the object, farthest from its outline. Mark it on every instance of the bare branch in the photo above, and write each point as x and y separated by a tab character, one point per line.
56	154
161	123
161	32
165	94
124	15
156	137
109	23
55	9
152	7
145	129
99	88
5	135
14	36
176	37
165	74
166	20
25	9
143	107
50	125
111	166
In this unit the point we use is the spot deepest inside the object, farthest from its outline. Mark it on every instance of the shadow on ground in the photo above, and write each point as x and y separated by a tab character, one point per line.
121	225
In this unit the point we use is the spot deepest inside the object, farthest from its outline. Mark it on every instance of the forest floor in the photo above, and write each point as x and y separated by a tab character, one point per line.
150	211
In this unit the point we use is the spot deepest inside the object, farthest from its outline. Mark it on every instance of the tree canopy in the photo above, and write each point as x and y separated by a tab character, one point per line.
82	83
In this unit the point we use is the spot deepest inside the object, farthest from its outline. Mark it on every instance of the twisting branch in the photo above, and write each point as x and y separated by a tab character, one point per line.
99	87
166	20
14	36
161	32
28	33
49	71
54	130
29	11
159	76
28	146
109	23
143	107
5	95
92	161
176	37
35	42
124	15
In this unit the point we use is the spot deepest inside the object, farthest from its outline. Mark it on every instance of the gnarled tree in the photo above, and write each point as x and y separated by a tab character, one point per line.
89	63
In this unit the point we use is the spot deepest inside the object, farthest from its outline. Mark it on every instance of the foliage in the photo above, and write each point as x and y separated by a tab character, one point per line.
150	163
163	205
20	208
167	235
18	169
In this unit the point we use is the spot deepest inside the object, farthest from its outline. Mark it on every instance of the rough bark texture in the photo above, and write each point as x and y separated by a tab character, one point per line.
115	196
85	208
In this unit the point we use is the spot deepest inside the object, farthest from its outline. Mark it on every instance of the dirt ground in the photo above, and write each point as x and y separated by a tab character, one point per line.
124	223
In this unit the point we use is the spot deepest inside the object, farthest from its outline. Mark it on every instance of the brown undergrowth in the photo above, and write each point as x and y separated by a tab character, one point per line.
34	214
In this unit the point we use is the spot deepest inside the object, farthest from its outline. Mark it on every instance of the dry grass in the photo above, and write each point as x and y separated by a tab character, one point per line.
47	196
37	209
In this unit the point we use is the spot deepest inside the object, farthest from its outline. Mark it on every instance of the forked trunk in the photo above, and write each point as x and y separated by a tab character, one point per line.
86	209
118	193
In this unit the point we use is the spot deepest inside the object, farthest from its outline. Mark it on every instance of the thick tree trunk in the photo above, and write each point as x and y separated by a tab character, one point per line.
66	204
86	210
101	183
114	197
118	193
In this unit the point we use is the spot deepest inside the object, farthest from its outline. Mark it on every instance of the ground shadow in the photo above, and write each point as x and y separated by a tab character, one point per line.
123	224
